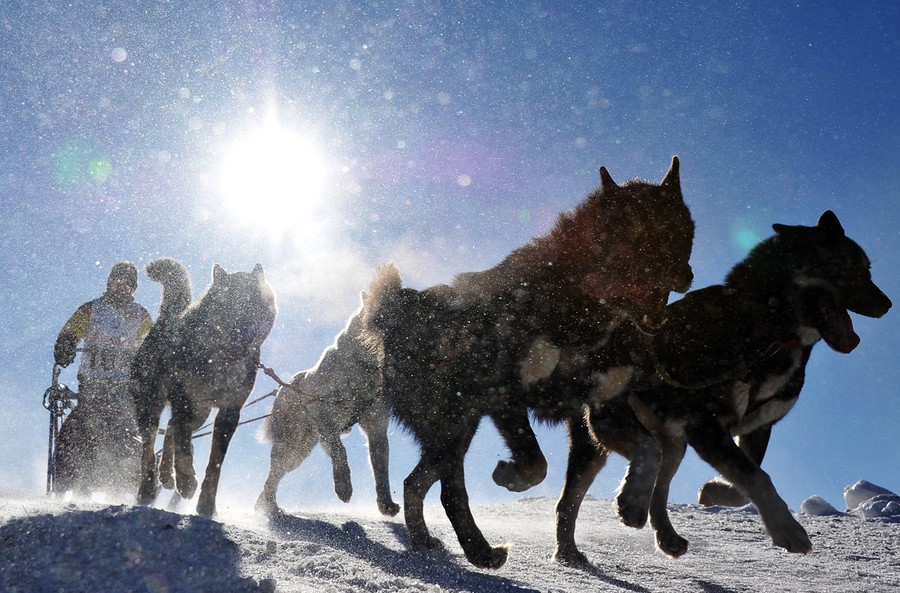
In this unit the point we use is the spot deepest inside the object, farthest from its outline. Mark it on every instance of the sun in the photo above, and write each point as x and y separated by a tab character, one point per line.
272	177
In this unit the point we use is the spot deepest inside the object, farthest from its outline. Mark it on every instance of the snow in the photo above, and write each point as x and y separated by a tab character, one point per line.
49	544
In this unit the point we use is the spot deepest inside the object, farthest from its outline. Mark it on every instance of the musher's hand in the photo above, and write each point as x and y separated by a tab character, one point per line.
64	352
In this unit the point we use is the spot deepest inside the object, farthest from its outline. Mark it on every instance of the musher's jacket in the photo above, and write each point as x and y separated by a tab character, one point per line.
111	334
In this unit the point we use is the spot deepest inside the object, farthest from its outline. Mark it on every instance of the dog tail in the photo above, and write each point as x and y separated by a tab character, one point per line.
383	292
176	286
264	432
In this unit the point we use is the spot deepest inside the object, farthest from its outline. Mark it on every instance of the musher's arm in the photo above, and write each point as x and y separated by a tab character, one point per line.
72	332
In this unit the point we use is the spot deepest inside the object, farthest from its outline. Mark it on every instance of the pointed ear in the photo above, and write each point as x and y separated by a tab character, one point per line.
829	220
258	271
672	178
606	181
219	273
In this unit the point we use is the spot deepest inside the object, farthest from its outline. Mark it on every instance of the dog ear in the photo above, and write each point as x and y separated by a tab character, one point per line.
672	178
606	181
219	273
258	271
829	220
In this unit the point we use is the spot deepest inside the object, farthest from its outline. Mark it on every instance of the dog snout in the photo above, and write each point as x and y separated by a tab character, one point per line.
682	279
871	303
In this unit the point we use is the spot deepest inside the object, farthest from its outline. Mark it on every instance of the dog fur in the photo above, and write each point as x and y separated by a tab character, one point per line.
342	389
730	361
197	357
453	354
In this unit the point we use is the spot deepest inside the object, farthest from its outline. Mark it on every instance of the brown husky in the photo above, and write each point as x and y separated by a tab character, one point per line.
453	354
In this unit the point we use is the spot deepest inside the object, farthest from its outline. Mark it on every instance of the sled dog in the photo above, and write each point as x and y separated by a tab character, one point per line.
197	356
451	354
342	389
729	362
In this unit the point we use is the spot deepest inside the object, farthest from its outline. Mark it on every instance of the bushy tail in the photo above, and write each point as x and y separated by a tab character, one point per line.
264	432
383	291
176	286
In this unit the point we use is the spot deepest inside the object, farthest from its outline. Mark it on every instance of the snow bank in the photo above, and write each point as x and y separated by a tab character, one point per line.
862	498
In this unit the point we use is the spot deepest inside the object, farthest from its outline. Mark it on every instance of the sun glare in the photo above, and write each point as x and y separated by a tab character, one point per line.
272	178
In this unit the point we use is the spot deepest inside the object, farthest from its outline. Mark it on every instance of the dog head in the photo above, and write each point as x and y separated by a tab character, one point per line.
243	304
830	271
630	244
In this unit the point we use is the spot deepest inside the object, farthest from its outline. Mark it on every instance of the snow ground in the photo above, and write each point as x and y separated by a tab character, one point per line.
51	545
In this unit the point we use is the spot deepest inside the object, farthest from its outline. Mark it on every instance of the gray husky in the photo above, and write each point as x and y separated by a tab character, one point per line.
196	357
342	389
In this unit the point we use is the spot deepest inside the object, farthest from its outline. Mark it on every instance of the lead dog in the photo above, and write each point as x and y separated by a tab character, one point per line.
453	354
730	361
198	356
342	389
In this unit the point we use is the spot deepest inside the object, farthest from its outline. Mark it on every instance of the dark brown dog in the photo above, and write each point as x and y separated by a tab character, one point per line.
453	354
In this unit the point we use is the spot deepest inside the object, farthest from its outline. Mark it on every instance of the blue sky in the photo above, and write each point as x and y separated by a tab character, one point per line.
446	134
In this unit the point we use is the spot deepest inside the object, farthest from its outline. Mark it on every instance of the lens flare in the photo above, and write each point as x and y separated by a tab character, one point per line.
744	238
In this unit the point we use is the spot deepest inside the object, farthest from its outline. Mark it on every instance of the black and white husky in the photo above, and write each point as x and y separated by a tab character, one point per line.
729	362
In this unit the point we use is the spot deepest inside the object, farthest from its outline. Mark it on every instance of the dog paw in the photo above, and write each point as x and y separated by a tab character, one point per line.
569	555
206	506
343	489
671	544
792	537
492	558
167	480
147	493
514	478
632	511
267	506
718	493
389	508
186	485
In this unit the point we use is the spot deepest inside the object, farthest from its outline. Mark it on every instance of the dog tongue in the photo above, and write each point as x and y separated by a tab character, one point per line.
835	326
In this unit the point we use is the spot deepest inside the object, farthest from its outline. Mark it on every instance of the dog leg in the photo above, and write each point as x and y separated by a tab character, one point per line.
715	446
148	427
586	459
528	466
455	500
226	422
374	424
185	478
415	487
667	539
340	469
167	461
635	491
288	452
721	493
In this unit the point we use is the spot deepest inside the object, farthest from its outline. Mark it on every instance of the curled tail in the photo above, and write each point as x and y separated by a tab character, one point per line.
176	286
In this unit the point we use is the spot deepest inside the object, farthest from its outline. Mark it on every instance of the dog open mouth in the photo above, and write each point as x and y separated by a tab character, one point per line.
832	320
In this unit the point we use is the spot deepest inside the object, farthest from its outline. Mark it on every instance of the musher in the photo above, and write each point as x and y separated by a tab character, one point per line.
96	448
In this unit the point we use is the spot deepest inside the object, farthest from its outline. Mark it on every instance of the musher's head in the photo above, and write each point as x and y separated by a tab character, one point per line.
122	278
